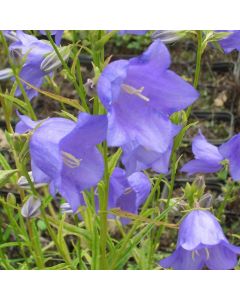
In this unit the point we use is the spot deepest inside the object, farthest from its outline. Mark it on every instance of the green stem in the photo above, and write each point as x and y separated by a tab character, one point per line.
70	75
103	213
37	252
188	112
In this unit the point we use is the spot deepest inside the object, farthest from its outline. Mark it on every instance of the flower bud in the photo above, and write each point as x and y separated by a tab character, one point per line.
90	88
206	201
31	207
199	182
6	74
24	184
168	36
11	199
65	208
51	62
10	35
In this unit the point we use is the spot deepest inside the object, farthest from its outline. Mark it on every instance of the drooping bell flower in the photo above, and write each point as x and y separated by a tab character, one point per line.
231	151
10	35
34	53
208	157
137	158
230	42
64	154
57	34
201	242
128	192
135	32
139	94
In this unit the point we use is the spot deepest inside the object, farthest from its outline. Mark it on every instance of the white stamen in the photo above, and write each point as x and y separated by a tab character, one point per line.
207	253
132	91
70	160
128	191
193	254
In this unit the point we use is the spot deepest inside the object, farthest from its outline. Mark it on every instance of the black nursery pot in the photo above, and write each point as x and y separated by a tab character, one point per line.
217	127
222	67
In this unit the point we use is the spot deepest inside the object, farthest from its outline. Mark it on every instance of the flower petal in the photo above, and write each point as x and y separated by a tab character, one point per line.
230	150
183	260
44	145
198	229
200	166
221	258
203	150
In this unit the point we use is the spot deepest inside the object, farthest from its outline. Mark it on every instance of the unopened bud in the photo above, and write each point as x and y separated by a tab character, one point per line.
31	208
199	182
6	74
168	36
11	199
65	208
24	184
206	201
10	35
90	88
51	62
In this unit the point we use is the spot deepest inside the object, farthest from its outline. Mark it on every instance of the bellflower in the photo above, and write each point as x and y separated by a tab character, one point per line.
64	154
231	151
139	94
135	32
208	157
33	51
201	242
128	192
137	158
57	33
10	35
230	42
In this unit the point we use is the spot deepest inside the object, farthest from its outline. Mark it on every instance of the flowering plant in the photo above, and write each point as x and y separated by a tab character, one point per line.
89	172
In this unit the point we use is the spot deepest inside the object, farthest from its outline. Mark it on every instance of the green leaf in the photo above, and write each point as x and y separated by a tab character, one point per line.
71	102
5	175
113	160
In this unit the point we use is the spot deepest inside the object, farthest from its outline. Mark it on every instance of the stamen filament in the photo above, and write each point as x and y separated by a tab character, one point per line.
70	160
132	91
128	191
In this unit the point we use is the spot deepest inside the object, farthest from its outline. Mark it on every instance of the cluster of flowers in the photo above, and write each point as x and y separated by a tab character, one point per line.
139	95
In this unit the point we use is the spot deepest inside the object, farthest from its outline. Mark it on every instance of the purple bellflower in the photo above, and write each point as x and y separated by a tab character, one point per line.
128	192
201	242
231	42
208	157
10	35
64	154
137	158
135	32
139	94
57	33
33	51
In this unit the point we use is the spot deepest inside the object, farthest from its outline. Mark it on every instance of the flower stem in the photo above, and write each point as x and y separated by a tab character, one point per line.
70	75
103	213
188	112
